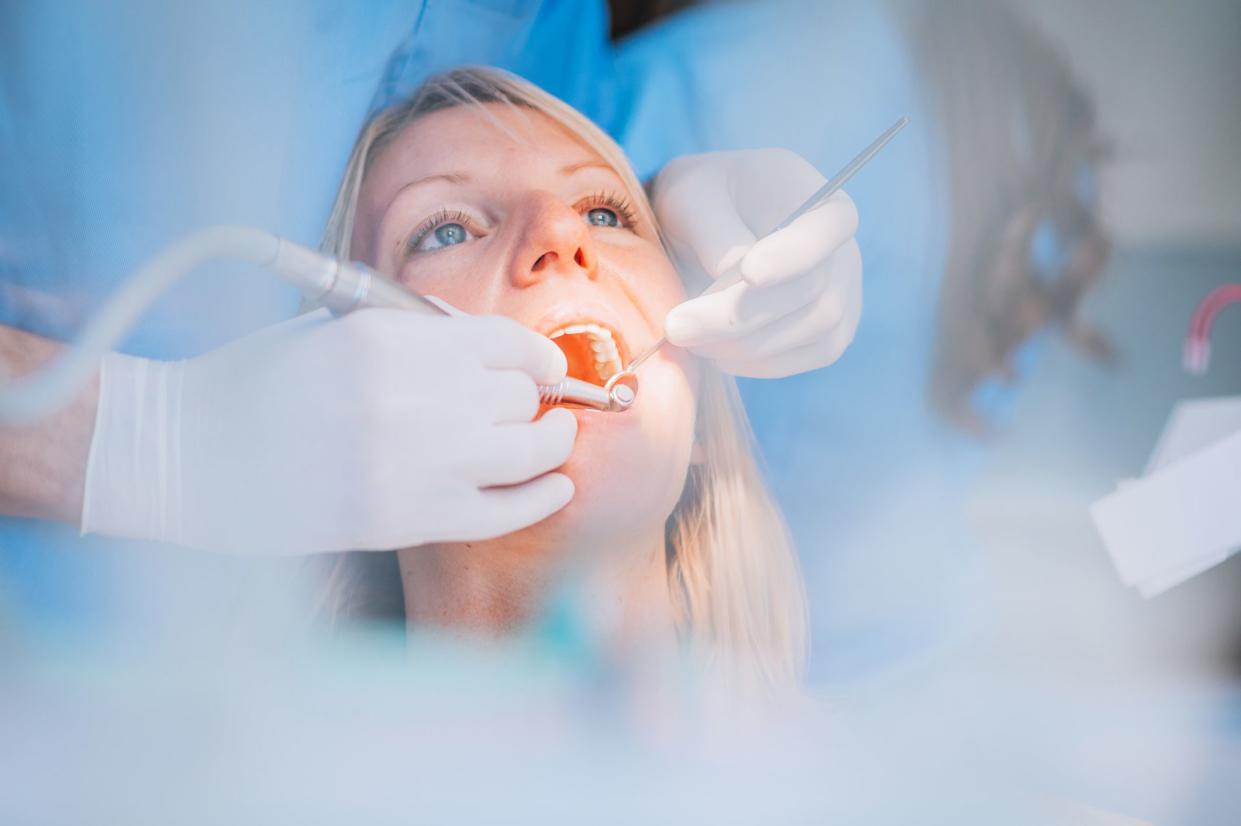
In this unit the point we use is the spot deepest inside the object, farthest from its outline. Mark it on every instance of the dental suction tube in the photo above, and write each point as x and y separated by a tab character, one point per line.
340	286
32	397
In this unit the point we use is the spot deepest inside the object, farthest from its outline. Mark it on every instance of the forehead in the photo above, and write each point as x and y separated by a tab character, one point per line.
487	141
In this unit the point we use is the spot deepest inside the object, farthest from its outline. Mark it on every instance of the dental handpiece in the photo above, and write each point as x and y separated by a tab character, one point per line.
341	286
355	286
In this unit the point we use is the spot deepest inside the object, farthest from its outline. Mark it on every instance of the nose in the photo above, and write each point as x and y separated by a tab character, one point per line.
555	241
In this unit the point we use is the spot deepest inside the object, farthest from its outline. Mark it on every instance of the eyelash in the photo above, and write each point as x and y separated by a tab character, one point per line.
617	203
443	216
620	204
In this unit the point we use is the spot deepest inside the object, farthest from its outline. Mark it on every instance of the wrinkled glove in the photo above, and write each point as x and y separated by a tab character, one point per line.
379	430
800	297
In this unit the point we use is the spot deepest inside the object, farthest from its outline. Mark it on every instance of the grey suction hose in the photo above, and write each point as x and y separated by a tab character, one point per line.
32	397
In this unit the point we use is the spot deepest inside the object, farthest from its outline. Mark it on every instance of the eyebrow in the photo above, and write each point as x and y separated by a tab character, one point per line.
450	177
463	177
593	163
447	177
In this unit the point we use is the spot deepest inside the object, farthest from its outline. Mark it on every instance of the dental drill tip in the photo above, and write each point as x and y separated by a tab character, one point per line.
623	396
622	391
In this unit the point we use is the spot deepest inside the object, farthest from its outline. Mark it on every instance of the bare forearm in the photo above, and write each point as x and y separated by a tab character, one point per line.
43	465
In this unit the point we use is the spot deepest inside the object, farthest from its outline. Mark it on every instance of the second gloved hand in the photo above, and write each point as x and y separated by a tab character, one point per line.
375	431
800	298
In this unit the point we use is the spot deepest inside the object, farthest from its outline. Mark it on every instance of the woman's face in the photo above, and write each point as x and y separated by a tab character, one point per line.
537	227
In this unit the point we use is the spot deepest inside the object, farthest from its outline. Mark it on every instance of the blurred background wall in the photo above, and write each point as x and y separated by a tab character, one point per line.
1166	78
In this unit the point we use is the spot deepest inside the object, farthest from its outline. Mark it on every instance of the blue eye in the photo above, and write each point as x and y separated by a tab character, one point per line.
602	217
449	234
446	229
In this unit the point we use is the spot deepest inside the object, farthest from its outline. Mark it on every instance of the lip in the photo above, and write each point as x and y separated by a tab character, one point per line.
590	420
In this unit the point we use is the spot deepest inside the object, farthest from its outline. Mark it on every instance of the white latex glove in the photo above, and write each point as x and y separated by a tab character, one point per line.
379	430
800	299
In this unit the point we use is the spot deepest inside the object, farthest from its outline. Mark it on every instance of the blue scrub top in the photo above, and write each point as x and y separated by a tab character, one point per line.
153	122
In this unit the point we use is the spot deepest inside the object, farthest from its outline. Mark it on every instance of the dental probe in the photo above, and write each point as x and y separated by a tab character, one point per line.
356	286
626	377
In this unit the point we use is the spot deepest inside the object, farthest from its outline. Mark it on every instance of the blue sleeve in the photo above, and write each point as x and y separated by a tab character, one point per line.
124	128
560	45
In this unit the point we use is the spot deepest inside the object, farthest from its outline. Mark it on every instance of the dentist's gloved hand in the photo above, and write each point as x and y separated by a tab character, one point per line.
798	305
379	430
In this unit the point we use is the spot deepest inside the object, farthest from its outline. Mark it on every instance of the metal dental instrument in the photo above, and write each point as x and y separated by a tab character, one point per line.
358	286
626	377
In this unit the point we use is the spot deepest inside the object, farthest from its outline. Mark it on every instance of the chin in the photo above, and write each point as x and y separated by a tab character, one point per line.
629	468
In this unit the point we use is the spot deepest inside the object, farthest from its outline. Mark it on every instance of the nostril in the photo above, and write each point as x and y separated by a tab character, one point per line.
542	261
580	258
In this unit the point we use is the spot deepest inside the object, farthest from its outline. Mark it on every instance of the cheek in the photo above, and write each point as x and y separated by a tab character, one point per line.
647	280
465	278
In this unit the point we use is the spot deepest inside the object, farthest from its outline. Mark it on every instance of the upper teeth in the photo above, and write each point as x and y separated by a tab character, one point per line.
592	329
607	355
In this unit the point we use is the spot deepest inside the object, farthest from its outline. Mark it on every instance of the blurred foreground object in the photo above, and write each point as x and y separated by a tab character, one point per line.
380	729
1184	516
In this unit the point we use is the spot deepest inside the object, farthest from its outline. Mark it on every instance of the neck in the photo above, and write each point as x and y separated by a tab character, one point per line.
493	588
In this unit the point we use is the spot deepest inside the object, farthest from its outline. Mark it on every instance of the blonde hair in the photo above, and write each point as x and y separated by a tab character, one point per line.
736	585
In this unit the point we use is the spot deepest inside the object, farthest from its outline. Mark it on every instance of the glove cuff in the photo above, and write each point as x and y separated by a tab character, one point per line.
133	473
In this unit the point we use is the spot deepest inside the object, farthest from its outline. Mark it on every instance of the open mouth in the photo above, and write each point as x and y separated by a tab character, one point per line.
595	352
